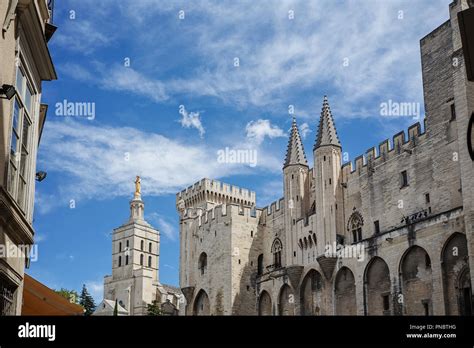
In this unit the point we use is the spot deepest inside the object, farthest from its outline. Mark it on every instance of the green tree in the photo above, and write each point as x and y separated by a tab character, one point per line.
70	295
154	309
86	301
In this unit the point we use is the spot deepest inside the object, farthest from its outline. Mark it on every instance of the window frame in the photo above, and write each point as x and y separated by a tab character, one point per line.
24	113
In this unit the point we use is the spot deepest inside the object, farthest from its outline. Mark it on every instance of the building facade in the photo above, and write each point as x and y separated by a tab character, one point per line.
25	62
390	234
134	282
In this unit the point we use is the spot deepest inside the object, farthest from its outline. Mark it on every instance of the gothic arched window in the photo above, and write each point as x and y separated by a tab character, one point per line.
355	226
276	251
120	261
141	245
120	246
149	261
149	247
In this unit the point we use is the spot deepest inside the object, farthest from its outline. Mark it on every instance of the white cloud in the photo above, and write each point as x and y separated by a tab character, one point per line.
191	120
281	59
304	130
259	129
101	162
84	36
126	79
163	226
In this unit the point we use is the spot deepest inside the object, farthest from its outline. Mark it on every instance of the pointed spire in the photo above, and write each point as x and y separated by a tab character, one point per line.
295	151
327	134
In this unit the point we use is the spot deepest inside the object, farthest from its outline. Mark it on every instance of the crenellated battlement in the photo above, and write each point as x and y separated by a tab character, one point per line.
214	191
273	207
386	150
220	212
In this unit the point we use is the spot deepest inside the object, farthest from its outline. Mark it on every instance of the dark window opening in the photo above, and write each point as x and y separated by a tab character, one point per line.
277	259
377	227
149	247
120	261
202	263
260	264
294	253
120	246
126	259
251	233
426	307
329	181
324	158
404	179
149	261
453	112
427	261
141	259
141	245
427	197
386	302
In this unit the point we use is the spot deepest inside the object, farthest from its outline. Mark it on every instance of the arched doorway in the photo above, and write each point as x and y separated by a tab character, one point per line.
265	304
286	299
311	293
456	276
201	304
377	287
344	292
417	285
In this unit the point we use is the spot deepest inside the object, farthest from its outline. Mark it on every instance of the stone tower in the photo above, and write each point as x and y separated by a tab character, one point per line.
327	175
295	184
135	260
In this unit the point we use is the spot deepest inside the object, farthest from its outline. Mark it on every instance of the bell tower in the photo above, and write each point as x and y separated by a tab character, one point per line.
135	260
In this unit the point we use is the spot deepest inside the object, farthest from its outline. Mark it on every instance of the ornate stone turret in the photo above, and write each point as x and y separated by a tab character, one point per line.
295	152
327	174
296	189
327	134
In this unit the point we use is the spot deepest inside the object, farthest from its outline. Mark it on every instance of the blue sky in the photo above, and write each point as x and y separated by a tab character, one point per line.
359	53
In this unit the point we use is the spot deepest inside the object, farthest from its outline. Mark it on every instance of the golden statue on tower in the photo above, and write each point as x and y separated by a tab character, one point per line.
138	187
